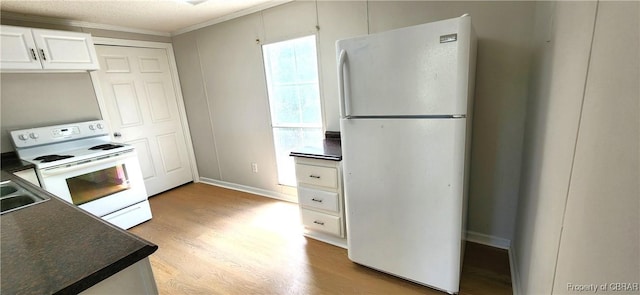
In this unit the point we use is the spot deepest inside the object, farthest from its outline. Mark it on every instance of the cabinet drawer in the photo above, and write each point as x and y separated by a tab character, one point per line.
317	175
321	222
318	199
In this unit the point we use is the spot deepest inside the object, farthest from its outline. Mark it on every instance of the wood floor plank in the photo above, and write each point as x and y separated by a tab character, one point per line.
219	241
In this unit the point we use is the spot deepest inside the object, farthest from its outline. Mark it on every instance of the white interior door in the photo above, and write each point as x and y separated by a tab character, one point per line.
142	108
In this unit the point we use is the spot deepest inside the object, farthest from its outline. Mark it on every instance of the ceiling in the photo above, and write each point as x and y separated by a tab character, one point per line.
159	17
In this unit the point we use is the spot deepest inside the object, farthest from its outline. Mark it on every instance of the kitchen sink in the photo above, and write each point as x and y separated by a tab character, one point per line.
14	197
7	190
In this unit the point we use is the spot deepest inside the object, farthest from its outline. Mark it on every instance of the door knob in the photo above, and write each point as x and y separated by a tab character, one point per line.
117	134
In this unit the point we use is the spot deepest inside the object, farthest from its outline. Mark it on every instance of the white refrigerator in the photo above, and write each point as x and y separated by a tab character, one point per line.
406	102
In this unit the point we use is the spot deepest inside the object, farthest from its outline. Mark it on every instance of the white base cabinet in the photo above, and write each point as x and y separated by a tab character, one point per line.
135	279
27	49
321	201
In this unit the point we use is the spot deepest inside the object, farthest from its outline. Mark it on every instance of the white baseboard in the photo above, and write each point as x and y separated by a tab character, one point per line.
329	239
250	189
488	240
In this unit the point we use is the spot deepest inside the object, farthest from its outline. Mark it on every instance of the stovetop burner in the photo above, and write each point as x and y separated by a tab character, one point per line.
51	158
105	147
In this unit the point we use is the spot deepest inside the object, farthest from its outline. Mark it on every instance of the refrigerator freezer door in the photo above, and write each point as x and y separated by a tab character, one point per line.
403	182
411	71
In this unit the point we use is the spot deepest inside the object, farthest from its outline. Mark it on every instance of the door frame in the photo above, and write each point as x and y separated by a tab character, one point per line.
173	69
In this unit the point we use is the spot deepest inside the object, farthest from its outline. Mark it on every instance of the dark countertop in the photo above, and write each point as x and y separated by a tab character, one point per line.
11	162
328	149
56	248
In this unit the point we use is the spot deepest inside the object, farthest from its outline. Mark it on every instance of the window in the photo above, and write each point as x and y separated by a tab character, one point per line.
291	69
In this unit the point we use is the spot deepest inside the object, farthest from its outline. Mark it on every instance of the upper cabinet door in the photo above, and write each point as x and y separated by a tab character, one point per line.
18	49
62	50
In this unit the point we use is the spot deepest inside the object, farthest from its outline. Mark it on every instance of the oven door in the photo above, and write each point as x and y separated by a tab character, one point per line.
99	186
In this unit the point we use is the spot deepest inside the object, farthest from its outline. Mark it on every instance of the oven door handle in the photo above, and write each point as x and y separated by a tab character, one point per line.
57	171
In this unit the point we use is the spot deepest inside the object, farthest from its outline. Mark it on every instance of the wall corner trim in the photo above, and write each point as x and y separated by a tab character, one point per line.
515	275
249	189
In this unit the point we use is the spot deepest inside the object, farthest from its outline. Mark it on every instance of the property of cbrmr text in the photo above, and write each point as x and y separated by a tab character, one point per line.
604	287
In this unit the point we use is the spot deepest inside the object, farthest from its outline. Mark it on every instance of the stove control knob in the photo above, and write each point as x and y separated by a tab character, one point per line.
92	127
23	136
99	126
34	135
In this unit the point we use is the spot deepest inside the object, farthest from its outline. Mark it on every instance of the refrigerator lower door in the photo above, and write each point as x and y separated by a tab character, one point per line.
404	184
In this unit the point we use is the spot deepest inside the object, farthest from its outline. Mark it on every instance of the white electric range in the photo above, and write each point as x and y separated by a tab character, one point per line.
78	163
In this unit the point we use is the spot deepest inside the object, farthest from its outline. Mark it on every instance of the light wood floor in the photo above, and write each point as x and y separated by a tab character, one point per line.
218	241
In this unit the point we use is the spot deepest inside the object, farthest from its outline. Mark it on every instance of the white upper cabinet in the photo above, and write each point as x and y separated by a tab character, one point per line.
18	49
40	49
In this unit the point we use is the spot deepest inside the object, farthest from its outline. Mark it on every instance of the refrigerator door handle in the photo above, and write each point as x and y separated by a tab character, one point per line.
344	113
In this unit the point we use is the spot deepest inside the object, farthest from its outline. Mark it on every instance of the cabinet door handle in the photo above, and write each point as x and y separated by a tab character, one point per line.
44	57
33	53
318	222
316	200
314	176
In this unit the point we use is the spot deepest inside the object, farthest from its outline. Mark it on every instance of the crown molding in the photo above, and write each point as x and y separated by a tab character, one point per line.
81	24
230	16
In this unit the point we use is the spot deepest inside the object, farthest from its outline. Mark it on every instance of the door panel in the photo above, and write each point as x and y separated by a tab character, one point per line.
168	148
127	106
142	106
116	64
144	157
158	101
149	65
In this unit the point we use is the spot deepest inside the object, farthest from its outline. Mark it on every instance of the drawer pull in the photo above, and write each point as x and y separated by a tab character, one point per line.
316	200
314	176
318	222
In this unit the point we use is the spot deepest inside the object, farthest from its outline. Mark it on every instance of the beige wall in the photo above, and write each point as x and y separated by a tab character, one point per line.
578	213
228	89
600	240
502	73
196	105
230	58
337	21
32	100
561	41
